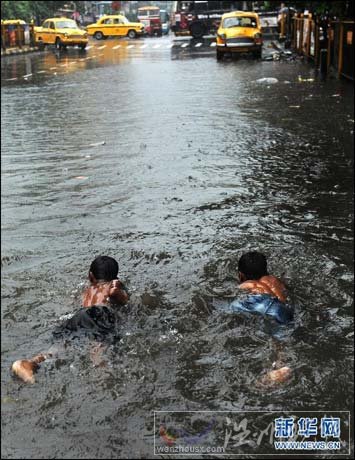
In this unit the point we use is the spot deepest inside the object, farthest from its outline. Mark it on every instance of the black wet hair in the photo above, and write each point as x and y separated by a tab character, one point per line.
104	268
253	265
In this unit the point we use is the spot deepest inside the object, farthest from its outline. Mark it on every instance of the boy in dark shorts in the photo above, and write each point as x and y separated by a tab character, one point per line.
267	293
98	315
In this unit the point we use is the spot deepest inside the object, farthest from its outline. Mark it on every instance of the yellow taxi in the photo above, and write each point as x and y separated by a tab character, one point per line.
115	25
239	32
61	32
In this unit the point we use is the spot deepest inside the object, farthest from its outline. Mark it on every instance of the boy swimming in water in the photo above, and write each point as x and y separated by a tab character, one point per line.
105	286
266	296
268	292
99	300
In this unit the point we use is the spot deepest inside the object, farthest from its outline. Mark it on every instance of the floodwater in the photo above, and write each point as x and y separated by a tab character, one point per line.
175	164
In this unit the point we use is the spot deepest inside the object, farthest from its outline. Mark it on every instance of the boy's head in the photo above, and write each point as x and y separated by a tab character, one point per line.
252	266
103	268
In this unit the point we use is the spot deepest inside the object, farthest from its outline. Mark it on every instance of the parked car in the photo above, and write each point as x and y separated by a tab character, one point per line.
61	32
115	25
239	32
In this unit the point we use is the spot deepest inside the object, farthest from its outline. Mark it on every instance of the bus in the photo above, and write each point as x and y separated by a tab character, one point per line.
199	18
149	16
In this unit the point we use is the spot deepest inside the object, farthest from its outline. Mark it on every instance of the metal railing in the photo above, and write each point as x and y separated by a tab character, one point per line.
308	38
341	48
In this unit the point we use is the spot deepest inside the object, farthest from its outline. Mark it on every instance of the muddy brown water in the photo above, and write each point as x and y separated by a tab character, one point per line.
193	163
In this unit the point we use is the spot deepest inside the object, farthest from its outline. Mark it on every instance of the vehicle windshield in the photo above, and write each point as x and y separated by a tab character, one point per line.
164	17
235	21
66	25
149	13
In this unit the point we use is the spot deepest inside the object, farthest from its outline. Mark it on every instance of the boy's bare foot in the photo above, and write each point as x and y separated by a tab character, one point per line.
277	376
24	369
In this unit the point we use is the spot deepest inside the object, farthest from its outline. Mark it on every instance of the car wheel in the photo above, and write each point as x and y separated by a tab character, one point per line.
41	45
98	35
131	34
219	55
58	44
197	29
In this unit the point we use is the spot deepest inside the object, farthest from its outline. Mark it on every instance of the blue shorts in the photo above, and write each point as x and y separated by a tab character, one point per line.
265	305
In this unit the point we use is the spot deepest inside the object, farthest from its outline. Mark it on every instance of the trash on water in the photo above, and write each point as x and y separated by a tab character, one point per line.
96	144
301	79
267	81
8	399
276	56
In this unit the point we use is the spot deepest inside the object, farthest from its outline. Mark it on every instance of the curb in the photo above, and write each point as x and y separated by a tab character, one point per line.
16	51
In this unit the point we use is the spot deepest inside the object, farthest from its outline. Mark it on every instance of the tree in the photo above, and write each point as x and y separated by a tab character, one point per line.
39	10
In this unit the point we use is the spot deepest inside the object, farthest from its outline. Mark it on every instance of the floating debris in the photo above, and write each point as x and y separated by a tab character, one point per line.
96	144
267	81
301	79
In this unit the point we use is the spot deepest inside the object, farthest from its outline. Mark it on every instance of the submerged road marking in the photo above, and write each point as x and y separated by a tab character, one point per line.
130	46
156	46
171	45
52	68
28	75
143	46
101	47
116	47
198	45
184	45
11	79
41	71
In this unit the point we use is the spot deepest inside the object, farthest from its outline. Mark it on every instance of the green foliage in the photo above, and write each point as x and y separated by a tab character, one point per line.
38	10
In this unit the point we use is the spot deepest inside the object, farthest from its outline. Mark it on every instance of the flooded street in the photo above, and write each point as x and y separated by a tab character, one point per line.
175	164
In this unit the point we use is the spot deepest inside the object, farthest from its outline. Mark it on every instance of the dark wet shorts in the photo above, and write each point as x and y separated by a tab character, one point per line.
100	322
265	305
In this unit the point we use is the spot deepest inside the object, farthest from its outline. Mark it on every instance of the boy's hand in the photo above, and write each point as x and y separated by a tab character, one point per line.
118	293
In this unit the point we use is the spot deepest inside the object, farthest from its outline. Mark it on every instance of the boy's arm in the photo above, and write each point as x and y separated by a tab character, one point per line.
118	293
